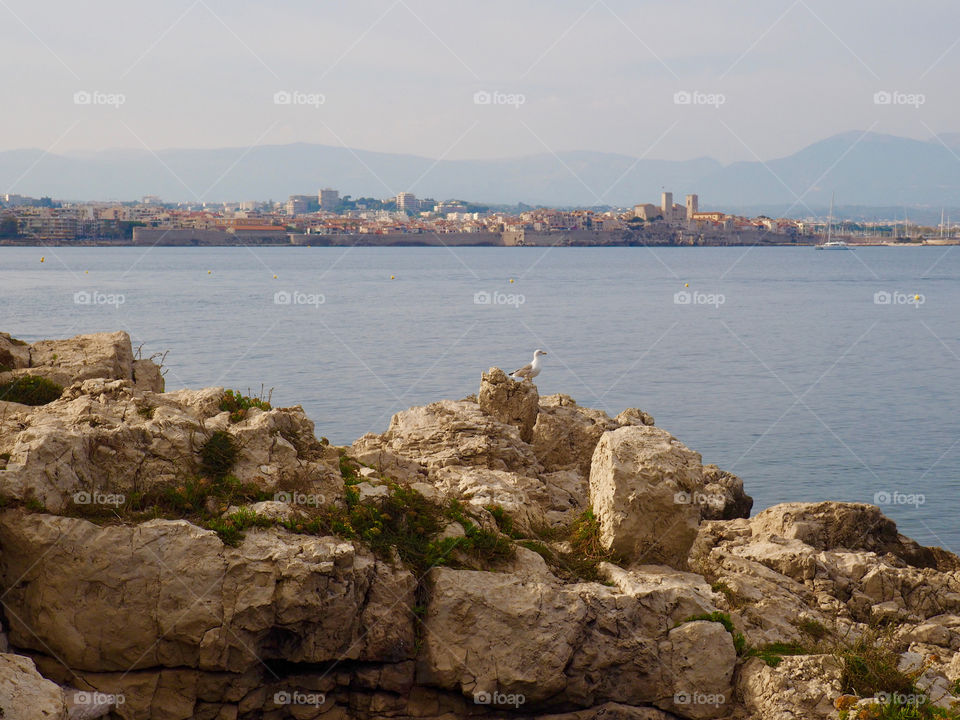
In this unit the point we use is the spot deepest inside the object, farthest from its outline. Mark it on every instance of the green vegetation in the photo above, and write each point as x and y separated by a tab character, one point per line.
870	662
899	708
230	528
237	404
813	628
773	653
218	454
30	390
145	411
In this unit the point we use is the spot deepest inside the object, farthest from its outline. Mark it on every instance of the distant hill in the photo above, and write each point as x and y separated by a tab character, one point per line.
870	170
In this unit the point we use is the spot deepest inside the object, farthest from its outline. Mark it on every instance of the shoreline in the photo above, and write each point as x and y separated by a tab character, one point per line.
106	243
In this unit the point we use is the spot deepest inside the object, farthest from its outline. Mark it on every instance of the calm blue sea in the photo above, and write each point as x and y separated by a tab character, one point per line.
782	367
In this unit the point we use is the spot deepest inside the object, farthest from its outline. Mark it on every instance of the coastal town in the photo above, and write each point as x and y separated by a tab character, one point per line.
329	218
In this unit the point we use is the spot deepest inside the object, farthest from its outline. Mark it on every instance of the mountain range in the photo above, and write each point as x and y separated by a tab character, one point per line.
865	169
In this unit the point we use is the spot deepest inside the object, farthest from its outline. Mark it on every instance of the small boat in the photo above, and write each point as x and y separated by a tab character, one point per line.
829	244
833	245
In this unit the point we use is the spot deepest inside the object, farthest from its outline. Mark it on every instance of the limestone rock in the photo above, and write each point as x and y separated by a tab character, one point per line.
369	450
639	479
106	438
634	416
801	687
148	376
25	694
566	434
14	354
702	661
448	433
724	497
510	402
84	357
189	601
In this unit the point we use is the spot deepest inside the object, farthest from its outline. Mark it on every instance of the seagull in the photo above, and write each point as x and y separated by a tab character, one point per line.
529	372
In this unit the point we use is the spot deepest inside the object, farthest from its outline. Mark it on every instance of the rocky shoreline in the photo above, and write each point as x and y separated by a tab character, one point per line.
201	554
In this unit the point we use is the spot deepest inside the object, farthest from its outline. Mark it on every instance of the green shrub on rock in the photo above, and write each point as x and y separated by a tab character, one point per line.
30	390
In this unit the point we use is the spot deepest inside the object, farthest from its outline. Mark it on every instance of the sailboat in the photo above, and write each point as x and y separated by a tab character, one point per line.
829	244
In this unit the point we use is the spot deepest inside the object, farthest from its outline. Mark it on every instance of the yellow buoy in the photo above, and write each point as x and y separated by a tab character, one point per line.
511	279
274	277
393	277
916	297
86	272
42	259
686	284
209	272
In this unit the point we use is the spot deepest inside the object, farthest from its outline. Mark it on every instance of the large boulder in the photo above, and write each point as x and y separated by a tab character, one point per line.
509	401
184	600
566	434
641	479
552	643
107	438
83	357
449	433
723	497
703	660
25	694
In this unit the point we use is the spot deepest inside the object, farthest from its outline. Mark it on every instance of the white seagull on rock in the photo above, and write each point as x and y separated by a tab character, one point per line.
529	372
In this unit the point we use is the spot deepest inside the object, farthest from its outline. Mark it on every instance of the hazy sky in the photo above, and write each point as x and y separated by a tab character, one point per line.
402	75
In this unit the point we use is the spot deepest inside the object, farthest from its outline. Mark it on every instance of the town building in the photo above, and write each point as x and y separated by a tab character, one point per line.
328	199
